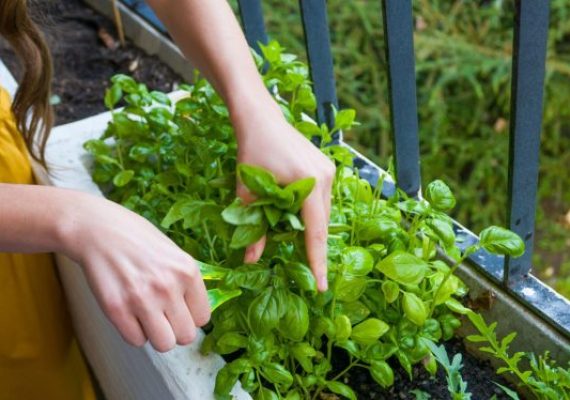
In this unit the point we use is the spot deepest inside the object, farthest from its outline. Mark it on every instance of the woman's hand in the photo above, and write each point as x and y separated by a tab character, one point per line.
267	140
147	286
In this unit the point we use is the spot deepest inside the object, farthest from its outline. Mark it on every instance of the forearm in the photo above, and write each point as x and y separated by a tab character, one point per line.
33	218
211	38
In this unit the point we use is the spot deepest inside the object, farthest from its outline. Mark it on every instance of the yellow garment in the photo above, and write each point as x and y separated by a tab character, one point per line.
39	357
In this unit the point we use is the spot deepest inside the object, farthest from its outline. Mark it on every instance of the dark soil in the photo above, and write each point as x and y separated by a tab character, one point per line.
83	63
83	66
478	375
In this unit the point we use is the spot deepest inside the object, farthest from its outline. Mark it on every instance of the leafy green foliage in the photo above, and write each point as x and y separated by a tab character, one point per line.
456	386
174	162
543	378
463	53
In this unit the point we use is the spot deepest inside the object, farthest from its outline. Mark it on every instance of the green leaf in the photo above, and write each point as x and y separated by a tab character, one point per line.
391	291
509	392
302	276
258	180
349	288
113	96
343	327
266	394
414	308
249	276
300	190
272	214
501	241
238	213
344	119
277	373
303	353
263	313
123	177
225	381
244	235
230	342
217	297
357	261
457	307
369	331
382	373
355	310
440	196
295	323
443	229
341	389
403	267
160	98
295	222
212	272
126	83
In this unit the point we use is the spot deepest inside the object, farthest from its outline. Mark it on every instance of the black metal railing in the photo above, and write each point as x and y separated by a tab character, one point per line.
529	56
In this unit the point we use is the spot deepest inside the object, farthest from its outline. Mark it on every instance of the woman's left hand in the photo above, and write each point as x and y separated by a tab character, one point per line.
266	139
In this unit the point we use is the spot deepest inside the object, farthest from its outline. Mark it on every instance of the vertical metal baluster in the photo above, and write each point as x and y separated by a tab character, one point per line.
251	14
317	39
399	39
529	56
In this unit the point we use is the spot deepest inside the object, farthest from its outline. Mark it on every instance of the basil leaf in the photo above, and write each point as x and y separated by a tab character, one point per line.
369	331
502	241
250	276
212	272
238	213
391	291
300	190
302	276
414	308
263	312
277	373
343	327
113	96
303	353
357	261
244	235
355	310
440	196
403	268
258	180
295	323
349	288
123	177
382	373
217	297
341	389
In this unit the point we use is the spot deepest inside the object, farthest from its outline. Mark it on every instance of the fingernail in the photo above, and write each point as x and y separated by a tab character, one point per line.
322	283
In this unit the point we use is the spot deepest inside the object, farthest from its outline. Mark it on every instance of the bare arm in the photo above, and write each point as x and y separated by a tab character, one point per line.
148	292
210	36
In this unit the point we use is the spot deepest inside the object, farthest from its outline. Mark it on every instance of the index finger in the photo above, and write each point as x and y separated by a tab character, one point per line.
316	232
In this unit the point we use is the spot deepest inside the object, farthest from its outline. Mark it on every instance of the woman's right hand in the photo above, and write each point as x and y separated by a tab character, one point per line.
146	285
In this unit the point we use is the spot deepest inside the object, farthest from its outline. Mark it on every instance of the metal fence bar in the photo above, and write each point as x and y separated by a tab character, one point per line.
317	39
399	39
529	56
251	14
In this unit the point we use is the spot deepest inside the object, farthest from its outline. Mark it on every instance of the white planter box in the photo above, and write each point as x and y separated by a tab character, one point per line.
123	371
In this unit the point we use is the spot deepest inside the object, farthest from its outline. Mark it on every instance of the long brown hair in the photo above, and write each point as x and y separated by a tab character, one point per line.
31	106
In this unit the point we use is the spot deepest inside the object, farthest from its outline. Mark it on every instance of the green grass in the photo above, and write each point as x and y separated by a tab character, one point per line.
463	67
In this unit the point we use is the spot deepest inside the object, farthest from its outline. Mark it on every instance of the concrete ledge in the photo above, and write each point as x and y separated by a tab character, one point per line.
533	334
145	36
